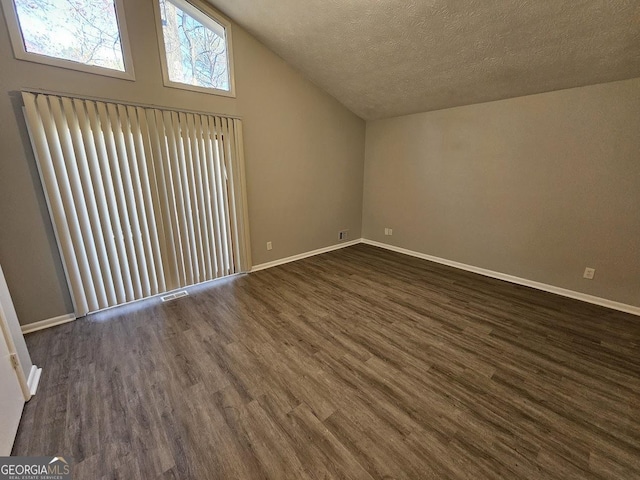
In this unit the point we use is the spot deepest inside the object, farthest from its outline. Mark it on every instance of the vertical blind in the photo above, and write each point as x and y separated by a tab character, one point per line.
143	200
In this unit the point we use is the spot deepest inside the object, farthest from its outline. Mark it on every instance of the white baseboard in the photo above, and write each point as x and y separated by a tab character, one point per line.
49	322
623	307
300	256
34	379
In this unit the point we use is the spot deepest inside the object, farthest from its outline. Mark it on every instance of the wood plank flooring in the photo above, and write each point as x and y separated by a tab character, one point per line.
360	363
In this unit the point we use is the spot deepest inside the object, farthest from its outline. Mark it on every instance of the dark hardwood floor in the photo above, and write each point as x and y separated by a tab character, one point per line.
360	363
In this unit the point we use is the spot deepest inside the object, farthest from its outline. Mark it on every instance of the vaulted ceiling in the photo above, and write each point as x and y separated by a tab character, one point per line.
383	58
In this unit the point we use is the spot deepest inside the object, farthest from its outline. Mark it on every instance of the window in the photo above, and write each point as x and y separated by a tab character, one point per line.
195	47
86	35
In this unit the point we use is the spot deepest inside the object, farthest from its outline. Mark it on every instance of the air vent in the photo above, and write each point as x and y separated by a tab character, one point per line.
173	296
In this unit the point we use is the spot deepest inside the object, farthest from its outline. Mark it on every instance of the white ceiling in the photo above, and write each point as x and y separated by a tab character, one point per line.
383	58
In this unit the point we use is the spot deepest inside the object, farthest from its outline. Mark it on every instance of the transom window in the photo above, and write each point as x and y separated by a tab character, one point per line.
195	47
87	35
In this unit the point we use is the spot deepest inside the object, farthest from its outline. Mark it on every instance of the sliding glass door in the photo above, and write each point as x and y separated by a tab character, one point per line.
143	200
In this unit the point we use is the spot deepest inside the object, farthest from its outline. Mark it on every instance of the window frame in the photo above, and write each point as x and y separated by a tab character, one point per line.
20	50
216	17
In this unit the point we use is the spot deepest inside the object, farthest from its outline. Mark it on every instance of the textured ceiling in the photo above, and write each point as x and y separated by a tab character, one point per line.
383	58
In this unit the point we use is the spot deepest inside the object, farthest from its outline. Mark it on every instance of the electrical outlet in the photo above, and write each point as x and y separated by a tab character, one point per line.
589	273
388	231
269	246
343	235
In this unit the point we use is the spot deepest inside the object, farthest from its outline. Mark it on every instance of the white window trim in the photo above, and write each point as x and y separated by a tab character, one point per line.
210	12
21	53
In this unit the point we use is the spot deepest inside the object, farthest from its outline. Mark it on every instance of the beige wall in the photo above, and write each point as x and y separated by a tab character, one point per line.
304	157
538	187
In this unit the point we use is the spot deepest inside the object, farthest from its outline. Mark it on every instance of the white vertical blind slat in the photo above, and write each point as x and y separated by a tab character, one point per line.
186	168
128	169
94	290
176	212
169	196
112	276
145	202
111	249
151	125
197	149
115	152
113	271
224	147
110	199
96	250
174	141
42	150
223	136
241	195
221	200
212	194
190	155
233	217
57	157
